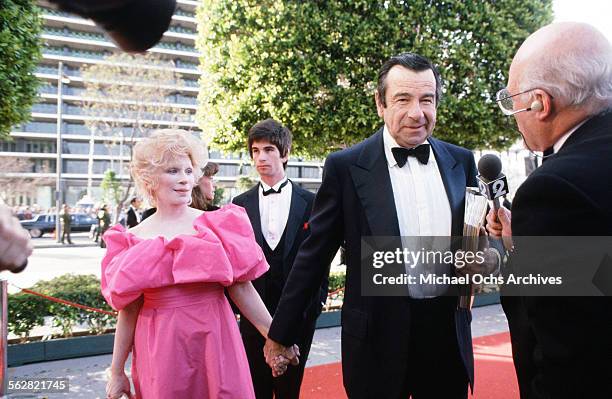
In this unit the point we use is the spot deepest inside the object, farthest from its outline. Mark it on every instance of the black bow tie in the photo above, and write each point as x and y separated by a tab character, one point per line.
401	154
272	190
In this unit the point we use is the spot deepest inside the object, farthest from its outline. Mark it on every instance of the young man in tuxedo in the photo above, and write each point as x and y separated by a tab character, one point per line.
560	94
279	211
398	182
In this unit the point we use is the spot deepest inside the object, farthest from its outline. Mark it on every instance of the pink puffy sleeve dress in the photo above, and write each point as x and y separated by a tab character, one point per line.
186	343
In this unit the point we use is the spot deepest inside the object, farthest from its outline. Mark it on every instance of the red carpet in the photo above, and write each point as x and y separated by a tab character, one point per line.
495	376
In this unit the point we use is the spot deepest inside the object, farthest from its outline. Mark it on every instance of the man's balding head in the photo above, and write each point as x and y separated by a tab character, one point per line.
564	71
572	61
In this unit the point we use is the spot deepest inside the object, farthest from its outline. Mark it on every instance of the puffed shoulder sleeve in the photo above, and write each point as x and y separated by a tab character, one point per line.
233	228
116	286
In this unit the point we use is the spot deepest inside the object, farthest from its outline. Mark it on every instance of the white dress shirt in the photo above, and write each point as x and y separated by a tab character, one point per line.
274	211
422	207
557	146
138	215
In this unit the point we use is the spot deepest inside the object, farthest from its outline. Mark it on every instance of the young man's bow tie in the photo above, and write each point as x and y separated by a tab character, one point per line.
272	190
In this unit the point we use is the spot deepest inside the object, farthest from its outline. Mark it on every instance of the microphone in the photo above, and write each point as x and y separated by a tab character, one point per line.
134	25
492	182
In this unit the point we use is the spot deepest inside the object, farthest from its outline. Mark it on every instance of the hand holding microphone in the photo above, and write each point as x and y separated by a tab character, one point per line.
493	185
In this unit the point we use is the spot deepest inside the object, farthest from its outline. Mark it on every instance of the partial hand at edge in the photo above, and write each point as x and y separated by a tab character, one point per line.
15	243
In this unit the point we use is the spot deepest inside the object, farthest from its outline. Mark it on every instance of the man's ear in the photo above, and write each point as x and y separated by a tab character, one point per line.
542	104
287	155
379	105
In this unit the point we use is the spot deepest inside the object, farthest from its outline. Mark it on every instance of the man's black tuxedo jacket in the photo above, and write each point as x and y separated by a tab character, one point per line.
132	220
296	231
566	342
355	200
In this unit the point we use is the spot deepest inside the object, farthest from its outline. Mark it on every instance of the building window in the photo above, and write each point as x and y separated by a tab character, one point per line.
75	166
75	147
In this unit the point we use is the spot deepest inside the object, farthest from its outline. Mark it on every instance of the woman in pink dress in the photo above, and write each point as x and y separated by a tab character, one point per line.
166	277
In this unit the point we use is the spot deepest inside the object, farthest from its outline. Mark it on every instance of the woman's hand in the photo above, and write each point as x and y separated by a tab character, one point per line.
117	385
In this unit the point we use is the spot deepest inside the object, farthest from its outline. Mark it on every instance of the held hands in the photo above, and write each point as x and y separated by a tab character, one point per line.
279	357
500	226
118	386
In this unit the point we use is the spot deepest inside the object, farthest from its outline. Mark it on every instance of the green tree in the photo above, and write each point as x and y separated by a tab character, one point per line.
20	26
111	189
245	182
313	65
219	196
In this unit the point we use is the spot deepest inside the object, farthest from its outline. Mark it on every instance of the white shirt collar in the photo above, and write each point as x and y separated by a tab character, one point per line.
557	146
265	187
389	143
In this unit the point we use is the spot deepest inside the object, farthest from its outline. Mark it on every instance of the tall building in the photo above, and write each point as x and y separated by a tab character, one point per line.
71	42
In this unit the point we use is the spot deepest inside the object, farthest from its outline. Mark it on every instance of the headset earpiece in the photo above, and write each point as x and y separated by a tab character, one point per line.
536	106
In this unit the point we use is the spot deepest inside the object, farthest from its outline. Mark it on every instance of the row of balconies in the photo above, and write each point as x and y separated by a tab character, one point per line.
73	73
179	12
57	34
169	117
76	93
67	51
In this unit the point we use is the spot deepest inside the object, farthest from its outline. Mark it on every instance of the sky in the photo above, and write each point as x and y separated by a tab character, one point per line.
594	12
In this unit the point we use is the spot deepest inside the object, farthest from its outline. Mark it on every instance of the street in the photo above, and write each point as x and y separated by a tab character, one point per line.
47	263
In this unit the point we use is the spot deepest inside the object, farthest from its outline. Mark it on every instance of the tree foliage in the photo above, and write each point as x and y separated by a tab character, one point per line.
313	65
111	187
20	26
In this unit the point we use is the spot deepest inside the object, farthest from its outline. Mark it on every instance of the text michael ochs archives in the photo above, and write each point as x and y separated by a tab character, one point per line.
424	264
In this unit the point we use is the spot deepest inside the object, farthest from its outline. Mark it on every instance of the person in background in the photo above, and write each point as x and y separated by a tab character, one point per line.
203	193
104	221
133	213
66	221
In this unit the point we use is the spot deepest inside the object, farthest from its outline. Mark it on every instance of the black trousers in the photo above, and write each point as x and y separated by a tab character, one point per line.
286	386
524	348
435	369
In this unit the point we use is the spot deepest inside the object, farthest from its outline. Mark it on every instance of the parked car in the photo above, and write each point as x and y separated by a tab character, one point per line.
45	223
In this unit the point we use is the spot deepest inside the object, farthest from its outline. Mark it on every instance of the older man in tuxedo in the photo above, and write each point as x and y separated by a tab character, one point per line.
398	182
560	93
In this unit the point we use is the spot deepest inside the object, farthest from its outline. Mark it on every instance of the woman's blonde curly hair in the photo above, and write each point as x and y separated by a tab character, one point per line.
155	152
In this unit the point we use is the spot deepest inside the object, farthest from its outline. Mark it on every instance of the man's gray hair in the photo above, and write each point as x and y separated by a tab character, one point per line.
580	78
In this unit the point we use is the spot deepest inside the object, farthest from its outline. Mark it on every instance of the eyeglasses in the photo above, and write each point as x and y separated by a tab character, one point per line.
506	103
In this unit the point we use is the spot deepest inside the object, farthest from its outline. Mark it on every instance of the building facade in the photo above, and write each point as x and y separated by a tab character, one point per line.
71	42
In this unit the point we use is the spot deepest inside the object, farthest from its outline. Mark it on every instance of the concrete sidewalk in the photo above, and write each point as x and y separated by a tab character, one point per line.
78	240
87	375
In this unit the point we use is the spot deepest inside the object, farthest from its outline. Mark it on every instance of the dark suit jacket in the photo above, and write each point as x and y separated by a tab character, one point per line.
566	341
296	231
355	200
132	220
